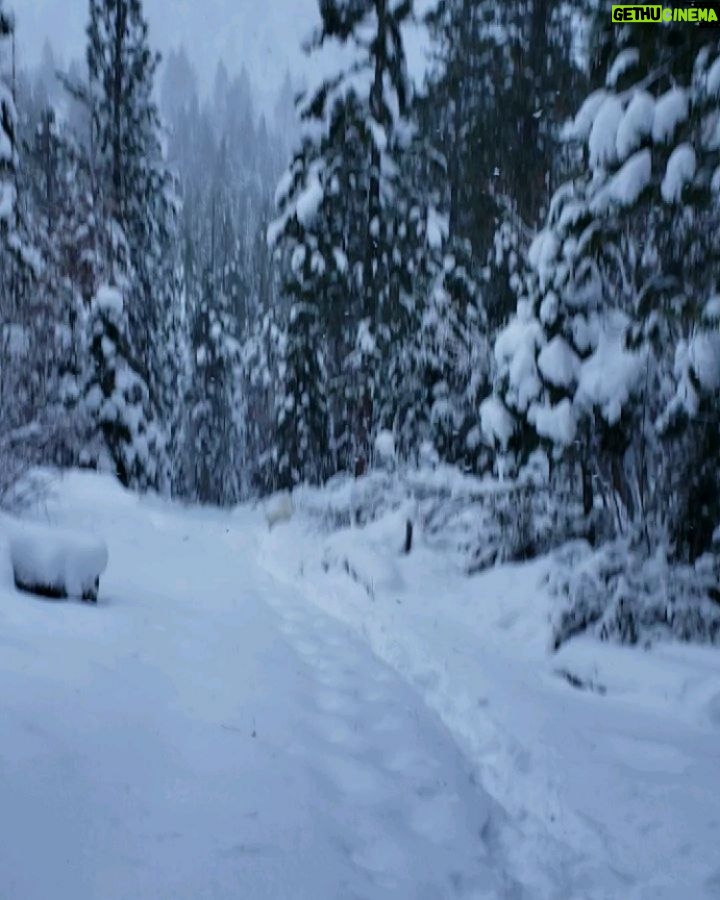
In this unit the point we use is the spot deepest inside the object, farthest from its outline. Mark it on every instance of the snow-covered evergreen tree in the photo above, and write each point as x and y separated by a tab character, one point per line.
613	357
452	360
8	149
347	206
118	399
494	103
137	196
301	407
214	428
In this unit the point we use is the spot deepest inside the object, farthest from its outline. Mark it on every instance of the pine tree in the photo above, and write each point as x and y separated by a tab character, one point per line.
346	207
138	200
118	399
214	427
301	403
8	149
494	102
612	358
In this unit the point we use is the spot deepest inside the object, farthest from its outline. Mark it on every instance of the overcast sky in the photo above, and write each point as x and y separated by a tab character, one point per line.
265	34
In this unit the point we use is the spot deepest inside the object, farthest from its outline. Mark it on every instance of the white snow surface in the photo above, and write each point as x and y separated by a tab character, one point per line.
558	362
556	423
291	714
680	171
609	377
670	110
626	184
603	134
57	559
604	791
625	60
636	124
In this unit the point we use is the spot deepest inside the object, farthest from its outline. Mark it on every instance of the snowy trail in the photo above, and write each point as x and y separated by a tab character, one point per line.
204	733
606	791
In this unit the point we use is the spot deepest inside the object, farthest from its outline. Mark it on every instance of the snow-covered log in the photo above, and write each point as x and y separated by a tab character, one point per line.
56	562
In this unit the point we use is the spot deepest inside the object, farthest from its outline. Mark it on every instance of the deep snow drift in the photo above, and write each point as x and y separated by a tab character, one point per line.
209	731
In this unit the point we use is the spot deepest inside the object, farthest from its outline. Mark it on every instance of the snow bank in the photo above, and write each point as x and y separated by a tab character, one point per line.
56	562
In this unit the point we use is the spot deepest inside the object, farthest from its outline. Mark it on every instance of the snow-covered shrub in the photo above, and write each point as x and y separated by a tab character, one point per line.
501	522
620	594
54	562
346	501
480	522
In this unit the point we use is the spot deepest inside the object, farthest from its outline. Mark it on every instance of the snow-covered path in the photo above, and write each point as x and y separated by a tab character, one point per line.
204	733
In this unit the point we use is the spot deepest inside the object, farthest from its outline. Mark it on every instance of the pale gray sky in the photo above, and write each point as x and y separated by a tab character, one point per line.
265	34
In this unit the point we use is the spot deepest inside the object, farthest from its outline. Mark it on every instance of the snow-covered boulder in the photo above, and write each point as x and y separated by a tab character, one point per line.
55	562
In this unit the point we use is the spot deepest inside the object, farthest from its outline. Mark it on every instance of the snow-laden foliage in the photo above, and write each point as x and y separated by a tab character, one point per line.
215	426
118	399
477	522
609	361
619	593
141	248
301	404
356	222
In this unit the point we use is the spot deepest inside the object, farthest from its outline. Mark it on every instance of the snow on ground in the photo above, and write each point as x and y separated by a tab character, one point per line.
605	759
205	732
279	713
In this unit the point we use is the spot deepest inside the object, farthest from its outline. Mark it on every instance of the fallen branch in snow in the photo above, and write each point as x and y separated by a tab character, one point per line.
581	685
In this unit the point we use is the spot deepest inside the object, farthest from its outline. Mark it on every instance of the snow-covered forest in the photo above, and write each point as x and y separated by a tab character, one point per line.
448	311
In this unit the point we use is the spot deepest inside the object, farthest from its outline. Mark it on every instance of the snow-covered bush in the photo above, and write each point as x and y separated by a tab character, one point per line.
55	562
345	500
620	594
494	522
479	522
